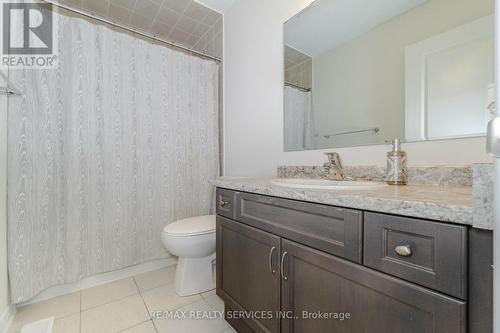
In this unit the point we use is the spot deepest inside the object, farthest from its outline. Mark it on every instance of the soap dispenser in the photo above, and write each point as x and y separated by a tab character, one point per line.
396	165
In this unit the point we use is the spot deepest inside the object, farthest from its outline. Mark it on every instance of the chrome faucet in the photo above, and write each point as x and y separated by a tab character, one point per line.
334	167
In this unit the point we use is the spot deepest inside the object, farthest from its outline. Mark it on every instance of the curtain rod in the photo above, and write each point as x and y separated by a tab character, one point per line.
298	87
9	89
134	31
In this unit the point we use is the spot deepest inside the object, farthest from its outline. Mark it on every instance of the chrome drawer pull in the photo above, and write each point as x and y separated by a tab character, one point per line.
273	271
403	250
282	266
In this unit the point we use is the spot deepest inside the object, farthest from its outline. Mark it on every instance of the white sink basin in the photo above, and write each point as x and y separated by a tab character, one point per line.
325	184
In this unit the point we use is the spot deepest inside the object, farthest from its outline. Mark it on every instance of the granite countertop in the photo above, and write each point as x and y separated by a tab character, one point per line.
442	203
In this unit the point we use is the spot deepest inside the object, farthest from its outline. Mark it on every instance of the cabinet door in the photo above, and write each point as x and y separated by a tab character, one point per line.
248	274
315	281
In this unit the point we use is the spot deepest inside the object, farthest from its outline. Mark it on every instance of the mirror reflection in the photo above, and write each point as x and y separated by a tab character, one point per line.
361	72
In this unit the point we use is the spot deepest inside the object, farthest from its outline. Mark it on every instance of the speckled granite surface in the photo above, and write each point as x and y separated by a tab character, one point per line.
442	203
422	175
483	195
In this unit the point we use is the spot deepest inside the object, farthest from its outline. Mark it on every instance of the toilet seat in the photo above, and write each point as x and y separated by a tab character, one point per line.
193	226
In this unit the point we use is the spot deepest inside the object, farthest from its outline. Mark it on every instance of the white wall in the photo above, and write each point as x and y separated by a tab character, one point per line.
253	102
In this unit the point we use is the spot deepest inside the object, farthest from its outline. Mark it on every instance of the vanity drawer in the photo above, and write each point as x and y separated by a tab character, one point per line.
337	231
428	253
225	202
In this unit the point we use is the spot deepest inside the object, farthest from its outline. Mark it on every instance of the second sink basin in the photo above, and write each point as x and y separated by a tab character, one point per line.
325	184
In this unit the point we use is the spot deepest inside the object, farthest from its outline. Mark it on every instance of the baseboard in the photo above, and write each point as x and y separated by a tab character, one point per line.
6	318
102	278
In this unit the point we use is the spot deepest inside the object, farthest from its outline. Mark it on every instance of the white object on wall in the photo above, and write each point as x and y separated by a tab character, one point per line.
40	326
104	151
438	72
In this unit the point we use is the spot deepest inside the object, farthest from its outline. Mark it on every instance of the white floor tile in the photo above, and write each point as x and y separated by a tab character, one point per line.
119	307
70	324
154	279
146	327
229	330
164	298
108	292
114	317
57	307
215	302
193	324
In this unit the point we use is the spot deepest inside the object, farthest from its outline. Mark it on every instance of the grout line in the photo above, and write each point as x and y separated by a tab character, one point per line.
80	326
132	12
153	21
149	289
178	20
184	305
113	301
107	8
145	305
142	322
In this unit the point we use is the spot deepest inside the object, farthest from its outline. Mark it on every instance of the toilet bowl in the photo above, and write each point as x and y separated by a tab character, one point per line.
193	241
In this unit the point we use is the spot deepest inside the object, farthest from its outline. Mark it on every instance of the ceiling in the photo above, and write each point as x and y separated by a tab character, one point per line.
326	24
219	5
185	22
294	57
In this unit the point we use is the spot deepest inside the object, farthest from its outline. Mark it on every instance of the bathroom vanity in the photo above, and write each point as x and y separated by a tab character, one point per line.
291	261
412	259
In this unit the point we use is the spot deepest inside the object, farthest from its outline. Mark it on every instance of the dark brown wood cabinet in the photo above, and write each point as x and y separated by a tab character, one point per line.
437	256
335	230
303	264
317	282
248	272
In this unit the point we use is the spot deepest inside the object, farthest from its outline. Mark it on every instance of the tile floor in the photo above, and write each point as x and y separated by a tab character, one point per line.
124	306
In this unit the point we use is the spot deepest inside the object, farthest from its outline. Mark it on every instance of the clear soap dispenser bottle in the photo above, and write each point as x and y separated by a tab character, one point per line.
396	165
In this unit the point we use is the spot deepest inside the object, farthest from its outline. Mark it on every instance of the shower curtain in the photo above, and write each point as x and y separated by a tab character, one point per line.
104	151
299	119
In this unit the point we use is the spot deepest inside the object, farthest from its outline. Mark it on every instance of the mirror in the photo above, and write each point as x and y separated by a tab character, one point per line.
361	72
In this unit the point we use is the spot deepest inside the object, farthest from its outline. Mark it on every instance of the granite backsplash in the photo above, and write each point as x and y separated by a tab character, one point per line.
421	175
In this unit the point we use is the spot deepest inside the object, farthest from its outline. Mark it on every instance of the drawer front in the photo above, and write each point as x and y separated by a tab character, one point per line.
428	253
225	202
337	231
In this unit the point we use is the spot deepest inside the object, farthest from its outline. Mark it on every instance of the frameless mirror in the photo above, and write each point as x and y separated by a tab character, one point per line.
360	72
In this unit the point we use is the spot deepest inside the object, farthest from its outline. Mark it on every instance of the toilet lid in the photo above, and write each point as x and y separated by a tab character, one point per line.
197	225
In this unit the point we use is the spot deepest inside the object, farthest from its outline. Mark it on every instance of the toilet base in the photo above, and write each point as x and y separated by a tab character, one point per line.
194	275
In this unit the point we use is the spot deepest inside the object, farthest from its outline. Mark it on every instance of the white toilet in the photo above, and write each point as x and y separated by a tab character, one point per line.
193	241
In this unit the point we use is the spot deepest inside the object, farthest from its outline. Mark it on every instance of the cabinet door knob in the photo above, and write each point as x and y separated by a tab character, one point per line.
273	271
223	203
282	266
403	250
